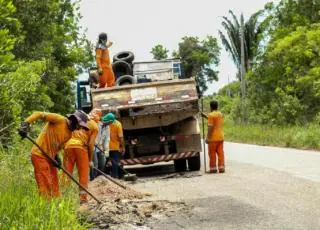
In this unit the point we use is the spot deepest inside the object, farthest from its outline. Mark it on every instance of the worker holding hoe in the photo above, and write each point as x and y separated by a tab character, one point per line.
106	75
116	144
79	150
56	132
215	138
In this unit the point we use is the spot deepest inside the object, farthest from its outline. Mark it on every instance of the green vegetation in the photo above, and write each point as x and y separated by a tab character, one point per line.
159	52
42	49
284	81
20	205
302	137
199	58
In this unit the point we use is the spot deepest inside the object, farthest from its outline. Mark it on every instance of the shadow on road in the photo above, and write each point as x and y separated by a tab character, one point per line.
145	171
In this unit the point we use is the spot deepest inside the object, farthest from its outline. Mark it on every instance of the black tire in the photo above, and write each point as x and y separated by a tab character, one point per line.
180	165
194	163
126	80
121	68
125	56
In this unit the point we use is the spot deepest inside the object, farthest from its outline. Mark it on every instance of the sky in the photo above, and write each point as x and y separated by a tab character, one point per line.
138	25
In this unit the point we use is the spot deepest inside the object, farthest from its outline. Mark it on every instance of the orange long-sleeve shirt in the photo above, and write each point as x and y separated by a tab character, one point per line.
54	134
83	139
103	56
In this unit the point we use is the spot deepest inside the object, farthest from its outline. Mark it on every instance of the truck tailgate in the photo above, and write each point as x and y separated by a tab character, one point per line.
145	94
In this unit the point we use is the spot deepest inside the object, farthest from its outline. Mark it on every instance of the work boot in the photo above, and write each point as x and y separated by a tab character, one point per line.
213	171
221	170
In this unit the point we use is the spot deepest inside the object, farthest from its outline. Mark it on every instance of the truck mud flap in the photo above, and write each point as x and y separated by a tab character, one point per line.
158	158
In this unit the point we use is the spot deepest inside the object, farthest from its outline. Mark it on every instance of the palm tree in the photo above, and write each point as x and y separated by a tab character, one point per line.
253	30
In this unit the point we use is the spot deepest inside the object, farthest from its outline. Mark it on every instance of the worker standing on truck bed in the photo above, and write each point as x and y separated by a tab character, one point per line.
106	75
116	145
215	138
79	150
56	132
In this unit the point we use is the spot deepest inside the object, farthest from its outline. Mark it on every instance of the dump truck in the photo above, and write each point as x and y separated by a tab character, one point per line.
158	111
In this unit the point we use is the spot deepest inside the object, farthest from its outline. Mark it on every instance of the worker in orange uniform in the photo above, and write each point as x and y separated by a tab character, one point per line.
79	150
56	132
116	143
215	138
106	75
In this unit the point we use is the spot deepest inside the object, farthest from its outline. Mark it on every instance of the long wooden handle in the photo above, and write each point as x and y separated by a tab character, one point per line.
110	178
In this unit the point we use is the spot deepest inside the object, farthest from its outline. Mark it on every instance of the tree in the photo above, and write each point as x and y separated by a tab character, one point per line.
253	31
159	52
8	25
199	59
50	32
285	85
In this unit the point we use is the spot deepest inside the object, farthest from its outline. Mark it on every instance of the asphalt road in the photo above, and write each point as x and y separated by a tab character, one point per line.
263	188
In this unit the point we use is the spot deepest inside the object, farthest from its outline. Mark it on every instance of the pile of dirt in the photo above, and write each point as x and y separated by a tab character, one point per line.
123	208
106	190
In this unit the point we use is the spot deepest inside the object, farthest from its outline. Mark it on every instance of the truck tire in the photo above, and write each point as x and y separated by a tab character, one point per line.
180	165
126	80
194	163
125	56
121	68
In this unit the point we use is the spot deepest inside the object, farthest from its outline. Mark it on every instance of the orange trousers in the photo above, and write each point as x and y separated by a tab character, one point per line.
46	176
216	149
107	78
79	157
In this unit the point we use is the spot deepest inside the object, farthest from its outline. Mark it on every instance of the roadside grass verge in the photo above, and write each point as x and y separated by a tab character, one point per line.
300	137
20	205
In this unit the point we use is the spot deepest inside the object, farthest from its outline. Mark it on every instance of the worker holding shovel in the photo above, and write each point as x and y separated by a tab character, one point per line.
44	154
79	151
116	144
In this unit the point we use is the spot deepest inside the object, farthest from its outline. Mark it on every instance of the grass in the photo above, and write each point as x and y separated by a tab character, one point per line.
20	205
300	137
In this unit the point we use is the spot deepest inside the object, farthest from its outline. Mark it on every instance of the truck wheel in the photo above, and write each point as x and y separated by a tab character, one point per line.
194	163
126	56
126	80
180	165
121	68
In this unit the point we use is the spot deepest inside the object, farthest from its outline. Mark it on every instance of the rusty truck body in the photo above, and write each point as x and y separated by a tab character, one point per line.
158	115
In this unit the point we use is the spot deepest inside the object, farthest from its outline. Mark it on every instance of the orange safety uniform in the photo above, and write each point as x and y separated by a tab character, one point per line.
215	141
79	150
116	133
107	78
51	139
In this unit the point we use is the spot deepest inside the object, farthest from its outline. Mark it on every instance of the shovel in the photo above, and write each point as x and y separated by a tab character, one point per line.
110	178
128	176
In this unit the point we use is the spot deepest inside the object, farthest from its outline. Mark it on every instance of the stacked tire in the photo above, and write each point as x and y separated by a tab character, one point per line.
123	68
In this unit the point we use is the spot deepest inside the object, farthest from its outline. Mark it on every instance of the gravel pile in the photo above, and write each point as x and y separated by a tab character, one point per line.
123	208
